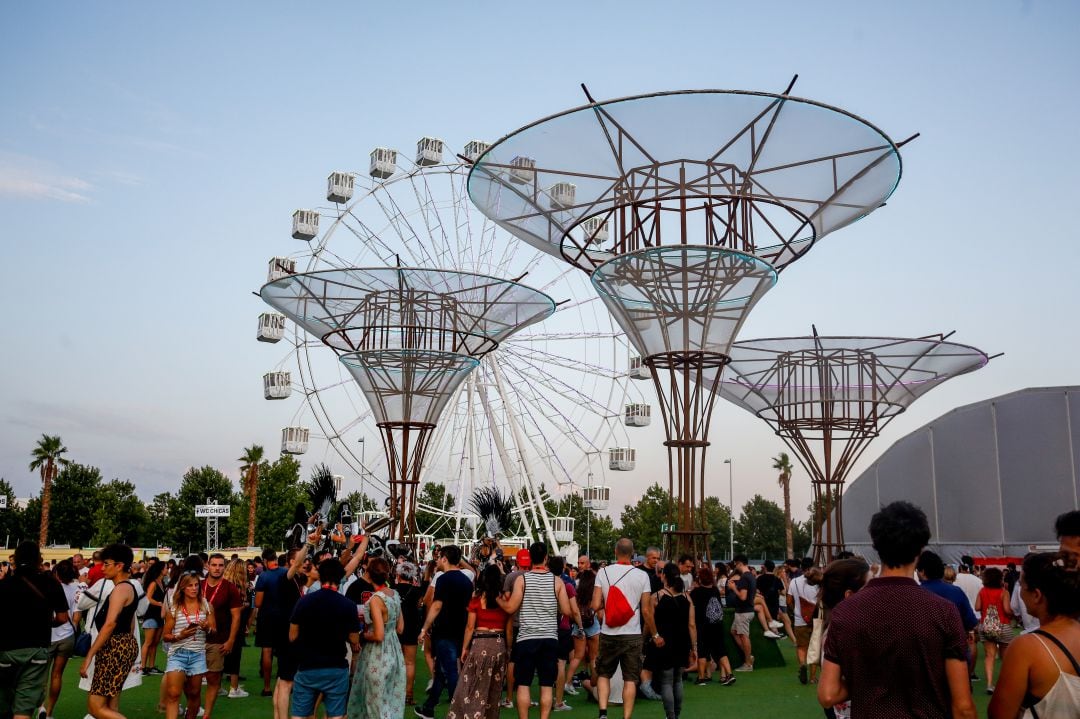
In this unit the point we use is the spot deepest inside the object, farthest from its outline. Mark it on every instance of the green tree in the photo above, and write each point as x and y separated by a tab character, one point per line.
121	516
249	467
11	530
76	500
718	521
47	458
759	531
158	513
782	464
183	530
360	502
279	491
432	494
802	539
641	521
821	507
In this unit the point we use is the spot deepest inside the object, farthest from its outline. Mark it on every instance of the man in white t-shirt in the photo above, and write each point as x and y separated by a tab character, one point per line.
624	590
971	584
804	594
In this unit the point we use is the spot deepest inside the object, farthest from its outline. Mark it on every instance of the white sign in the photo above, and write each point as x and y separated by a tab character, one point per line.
212	510
3	501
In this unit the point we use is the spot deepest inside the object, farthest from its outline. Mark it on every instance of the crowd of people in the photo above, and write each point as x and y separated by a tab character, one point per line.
345	630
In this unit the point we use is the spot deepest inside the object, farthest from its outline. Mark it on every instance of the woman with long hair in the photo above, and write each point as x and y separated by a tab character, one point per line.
841	579
378	688
187	622
152	620
484	656
63	636
709	613
116	648
236	573
674	614
995	626
425	584
586	636
1040	674
410	594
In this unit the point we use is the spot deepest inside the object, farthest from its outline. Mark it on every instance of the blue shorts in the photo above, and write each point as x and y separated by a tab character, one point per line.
151	624
308	684
186	661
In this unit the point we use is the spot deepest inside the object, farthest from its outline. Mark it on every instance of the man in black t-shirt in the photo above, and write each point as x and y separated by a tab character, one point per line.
321	624
744	589
32	603
445	623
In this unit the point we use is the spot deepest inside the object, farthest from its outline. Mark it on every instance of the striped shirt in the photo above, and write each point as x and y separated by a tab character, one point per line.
539	612
196	642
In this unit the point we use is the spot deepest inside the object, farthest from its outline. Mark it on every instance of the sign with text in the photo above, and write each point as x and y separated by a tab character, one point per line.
3	501
212	510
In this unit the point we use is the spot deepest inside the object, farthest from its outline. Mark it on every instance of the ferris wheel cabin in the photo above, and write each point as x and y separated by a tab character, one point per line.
594	231
383	163
637	415
277	385
563	528
339	187
280	267
596	497
429	151
474	149
562	195
294	440
271	327
522	170
338	479
638	369
622	459
305	224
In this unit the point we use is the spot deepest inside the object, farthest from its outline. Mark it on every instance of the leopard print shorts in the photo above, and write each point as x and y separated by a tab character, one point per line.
113	663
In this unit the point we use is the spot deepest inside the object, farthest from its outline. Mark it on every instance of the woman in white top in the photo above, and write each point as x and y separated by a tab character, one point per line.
1040	674
187	622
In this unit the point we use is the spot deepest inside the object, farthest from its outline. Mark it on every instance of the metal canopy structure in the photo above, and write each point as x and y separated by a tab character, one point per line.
828	397
409	337
684	206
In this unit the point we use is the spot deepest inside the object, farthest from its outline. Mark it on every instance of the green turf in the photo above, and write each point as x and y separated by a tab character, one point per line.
755	694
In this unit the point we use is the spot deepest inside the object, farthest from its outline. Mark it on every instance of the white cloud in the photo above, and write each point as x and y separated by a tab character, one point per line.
30	179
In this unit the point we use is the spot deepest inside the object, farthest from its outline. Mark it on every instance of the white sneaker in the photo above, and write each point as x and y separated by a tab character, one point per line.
775	624
771	635
429	683
564	707
237	693
183	710
41	713
569	689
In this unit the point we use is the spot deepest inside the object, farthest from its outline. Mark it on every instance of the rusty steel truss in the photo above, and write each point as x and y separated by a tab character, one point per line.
683	207
409	337
828	397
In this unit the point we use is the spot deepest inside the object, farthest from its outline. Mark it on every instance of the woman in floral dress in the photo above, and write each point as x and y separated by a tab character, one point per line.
484	657
378	689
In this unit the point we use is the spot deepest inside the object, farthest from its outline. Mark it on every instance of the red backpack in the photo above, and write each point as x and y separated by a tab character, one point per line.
617	608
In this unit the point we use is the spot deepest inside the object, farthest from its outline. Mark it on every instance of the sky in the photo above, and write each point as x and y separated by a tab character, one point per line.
151	157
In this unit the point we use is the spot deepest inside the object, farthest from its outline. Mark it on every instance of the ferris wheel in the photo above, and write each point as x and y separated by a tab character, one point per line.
551	412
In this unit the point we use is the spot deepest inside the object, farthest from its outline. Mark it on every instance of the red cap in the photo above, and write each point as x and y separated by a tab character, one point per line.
524	560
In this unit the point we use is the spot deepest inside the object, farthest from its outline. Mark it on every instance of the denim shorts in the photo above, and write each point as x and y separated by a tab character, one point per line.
588	632
308	684
151	624
186	661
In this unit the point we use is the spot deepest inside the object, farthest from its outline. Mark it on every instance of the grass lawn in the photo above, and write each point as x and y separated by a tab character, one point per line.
764	692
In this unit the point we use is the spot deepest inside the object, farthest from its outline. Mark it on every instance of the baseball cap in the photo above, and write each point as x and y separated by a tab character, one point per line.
524	561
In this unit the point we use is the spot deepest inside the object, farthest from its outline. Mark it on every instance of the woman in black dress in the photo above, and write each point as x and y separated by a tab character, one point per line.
709	615
411	595
675	624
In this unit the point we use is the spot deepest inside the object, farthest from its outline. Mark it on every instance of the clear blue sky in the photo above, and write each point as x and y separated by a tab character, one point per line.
150	157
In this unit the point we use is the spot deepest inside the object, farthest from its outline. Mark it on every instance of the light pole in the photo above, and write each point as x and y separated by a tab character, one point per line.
588	522
731	509
363	468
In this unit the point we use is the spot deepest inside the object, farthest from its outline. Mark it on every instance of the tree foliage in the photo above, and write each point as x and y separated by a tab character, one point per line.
183	531
121	516
641	521
278	491
759	531
433	494
76	500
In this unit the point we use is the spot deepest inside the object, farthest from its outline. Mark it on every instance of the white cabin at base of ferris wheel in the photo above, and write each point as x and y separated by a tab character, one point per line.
474	149
596	498
338	479
339	187
521	170
280	267
294	440
429	151
271	327
277	385
638	369
622	459
383	163
563	528
305	224
594	231
562	195
637	415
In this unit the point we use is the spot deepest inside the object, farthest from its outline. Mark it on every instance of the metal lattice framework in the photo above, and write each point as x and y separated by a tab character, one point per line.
684	206
409	337
828	397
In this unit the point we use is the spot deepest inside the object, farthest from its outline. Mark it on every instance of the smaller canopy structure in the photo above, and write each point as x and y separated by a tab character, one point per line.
409	337
828	397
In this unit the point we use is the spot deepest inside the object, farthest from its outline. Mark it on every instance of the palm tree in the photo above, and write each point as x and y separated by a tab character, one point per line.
783	464
47	459
253	457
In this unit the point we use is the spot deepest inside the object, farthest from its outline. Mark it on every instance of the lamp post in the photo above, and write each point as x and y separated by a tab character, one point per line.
731	509
363	468
588	522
